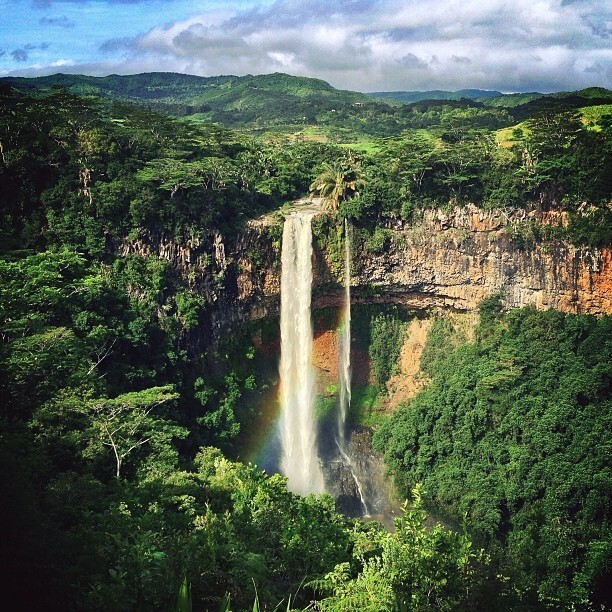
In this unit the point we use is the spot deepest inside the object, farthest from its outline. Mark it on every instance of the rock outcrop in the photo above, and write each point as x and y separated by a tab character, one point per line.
454	260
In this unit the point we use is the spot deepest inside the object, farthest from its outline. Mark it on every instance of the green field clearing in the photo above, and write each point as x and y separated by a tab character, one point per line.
591	114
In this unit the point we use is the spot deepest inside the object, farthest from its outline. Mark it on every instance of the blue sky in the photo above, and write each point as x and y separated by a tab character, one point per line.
366	45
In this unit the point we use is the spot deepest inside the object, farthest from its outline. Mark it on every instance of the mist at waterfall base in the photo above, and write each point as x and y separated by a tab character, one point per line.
318	454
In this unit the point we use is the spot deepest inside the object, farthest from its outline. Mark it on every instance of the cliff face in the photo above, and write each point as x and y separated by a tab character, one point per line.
447	260
456	259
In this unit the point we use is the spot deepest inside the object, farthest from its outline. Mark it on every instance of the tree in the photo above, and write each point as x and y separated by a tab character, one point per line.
339	181
128	422
174	175
550	152
414	568
508	438
387	340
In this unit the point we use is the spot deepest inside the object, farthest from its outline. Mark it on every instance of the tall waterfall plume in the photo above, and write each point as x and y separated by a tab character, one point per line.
345	344
299	459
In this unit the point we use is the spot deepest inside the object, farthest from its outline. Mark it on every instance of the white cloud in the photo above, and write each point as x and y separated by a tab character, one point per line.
509	45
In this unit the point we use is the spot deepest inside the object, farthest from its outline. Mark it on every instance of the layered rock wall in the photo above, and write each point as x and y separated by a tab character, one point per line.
456	259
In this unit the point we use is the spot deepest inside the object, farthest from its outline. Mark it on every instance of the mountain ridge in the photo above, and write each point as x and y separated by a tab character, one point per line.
153	85
408	97
287	103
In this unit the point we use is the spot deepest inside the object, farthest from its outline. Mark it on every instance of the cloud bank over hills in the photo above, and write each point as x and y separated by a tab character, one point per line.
367	45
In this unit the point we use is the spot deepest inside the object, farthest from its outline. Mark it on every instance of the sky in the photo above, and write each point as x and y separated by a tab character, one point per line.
362	45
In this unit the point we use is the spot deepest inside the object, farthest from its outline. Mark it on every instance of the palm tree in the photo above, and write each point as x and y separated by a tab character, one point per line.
338	181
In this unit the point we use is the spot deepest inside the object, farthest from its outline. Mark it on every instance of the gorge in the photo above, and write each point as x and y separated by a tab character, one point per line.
447	261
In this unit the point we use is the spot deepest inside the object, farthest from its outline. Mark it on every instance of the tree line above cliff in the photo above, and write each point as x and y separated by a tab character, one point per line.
84	171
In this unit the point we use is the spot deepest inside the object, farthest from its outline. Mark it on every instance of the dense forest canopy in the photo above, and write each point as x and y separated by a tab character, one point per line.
113	427
64	155
510	436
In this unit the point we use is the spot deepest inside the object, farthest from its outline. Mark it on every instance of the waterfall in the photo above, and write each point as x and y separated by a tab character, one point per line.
345	344
299	461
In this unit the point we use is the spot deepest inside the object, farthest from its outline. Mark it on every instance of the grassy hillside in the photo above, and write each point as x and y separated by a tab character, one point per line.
589	117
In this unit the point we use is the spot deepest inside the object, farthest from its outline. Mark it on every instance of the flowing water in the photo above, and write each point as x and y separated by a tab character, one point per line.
299	460
344	400
349	465
345	346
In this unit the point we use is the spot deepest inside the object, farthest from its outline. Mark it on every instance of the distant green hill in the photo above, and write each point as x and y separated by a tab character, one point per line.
148	86
511	100
408	97
589	92
492	98
312	107
569	97
175	86
558	102
231	100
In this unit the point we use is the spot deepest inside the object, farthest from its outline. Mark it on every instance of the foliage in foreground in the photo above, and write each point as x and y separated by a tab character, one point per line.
235	535
413	568
512	436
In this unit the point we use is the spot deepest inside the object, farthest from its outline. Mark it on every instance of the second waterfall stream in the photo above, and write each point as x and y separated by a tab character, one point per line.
345	346
301	454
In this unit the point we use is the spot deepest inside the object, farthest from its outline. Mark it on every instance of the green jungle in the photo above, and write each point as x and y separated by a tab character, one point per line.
122	424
